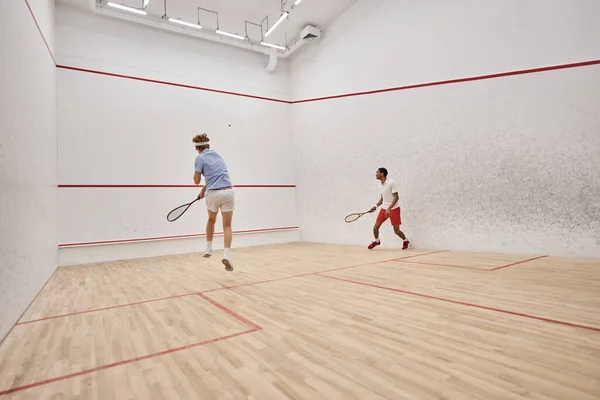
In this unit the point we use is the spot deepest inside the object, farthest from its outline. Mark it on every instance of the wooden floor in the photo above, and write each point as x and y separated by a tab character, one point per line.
312	321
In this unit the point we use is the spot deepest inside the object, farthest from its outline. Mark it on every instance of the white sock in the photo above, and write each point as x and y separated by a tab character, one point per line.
208	247
226	253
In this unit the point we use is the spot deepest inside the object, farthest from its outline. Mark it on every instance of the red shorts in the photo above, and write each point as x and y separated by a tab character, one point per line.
394	216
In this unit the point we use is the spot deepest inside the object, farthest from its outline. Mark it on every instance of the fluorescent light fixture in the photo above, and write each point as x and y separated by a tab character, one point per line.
146	2
297	2
275	46
271	29
180	22
125	8
220	32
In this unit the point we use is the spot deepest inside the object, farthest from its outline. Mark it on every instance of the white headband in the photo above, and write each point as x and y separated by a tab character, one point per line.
196	144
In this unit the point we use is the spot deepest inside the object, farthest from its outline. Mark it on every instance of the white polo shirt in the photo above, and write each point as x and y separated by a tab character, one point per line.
387	189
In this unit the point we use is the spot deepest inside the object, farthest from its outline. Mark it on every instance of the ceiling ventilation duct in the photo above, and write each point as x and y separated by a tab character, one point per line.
273	58
310	33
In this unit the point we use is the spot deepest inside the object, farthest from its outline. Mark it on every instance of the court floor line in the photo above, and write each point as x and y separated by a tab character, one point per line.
104	308
253	328
400	260
212	290
499	310
438	265
516	263
230	312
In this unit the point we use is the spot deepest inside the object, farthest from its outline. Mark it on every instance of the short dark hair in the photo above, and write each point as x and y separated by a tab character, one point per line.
383	171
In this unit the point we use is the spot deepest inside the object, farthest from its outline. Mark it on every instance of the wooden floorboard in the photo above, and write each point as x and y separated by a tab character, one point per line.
312	321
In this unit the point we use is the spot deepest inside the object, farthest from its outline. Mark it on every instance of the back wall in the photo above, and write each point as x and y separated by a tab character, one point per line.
125	139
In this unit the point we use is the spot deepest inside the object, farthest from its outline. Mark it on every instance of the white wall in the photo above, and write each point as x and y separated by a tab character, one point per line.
508	164
44	16
28	240
119	131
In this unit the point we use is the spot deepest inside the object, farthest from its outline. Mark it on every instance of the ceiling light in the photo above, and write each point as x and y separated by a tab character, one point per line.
180	22
146	2
220	32
297	2
125	8
272	45
271	29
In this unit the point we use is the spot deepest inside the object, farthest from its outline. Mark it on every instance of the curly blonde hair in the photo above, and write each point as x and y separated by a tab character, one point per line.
201	138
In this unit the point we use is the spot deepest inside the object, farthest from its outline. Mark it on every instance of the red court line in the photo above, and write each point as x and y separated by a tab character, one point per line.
254	328
116	364
230	312
399	260
465	304
311	273
255	283
169	186
200	293
518	262
459	80
40	30
289	277
440	265
214	290
415	86
171	84
422	254
191	235
104	308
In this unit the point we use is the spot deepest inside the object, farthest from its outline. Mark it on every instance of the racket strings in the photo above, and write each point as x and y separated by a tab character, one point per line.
353	217
177	212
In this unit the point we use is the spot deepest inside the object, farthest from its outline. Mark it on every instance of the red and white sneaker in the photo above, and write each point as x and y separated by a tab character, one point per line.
405	245
374	243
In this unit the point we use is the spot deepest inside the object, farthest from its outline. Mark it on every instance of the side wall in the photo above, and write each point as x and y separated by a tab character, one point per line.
125	152
28	199
507	164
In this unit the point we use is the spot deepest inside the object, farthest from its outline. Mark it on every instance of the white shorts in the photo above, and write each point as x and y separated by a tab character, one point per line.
223	199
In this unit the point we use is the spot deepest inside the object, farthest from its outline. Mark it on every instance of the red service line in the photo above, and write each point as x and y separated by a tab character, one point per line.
463	303
253	328
192	235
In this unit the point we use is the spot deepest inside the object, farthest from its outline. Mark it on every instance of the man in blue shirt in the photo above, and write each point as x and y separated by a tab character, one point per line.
218	191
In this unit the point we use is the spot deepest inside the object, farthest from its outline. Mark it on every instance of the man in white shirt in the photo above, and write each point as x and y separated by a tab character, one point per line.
390	208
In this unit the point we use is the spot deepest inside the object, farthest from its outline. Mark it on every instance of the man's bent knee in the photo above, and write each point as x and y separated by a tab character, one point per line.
212	218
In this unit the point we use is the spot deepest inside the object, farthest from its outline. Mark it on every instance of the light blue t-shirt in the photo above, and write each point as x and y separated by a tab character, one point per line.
210	164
